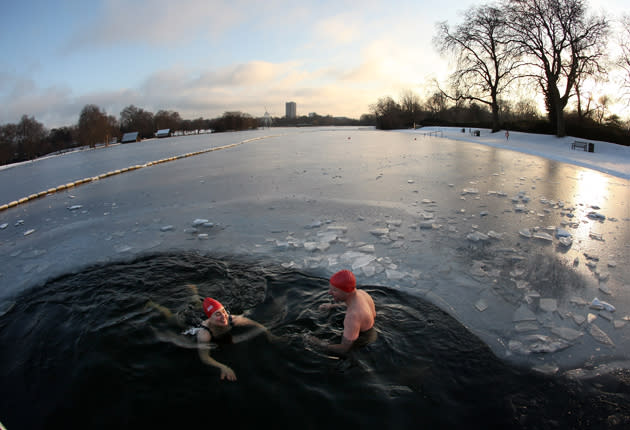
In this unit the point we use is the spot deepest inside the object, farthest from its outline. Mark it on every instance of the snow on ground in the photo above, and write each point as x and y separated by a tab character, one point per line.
608	157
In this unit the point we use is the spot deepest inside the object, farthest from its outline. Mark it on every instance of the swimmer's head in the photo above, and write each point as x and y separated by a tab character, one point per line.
344	280
210	306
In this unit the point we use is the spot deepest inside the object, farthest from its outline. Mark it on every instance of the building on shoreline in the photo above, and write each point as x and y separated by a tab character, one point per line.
291	110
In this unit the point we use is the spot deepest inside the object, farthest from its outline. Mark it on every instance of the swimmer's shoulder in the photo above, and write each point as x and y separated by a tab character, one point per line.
204	334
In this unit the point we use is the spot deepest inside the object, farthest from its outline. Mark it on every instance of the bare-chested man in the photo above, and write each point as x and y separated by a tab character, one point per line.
360	311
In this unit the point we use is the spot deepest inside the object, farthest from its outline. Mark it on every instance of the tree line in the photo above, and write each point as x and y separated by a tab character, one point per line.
552	47
500	50
29	139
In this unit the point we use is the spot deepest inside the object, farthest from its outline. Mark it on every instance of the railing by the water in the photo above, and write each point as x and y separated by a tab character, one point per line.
433	133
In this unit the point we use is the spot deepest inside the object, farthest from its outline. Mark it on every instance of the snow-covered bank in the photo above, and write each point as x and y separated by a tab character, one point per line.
608	157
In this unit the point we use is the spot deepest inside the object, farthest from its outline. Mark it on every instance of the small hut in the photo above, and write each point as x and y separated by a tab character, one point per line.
130	137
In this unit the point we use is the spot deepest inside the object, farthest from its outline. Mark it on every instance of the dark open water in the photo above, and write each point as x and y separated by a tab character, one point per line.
85	351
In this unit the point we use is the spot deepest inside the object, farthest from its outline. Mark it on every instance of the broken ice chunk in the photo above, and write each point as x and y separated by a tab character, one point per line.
543	236
523	314
494	235
3	226
366	248
565	241
29	232
598	305
600	336
337	228
394	275
548	305
379	231
566	333
579	319
315	224
481	305
167	228
560	232
596	235
310	246
526	326
544	344
604	288
477	236
362	261
596	215
546	369
470	191
74	207
525	233
578	301
603	276
198	222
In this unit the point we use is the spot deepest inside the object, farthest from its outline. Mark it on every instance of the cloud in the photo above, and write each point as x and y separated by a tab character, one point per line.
160	23
338	30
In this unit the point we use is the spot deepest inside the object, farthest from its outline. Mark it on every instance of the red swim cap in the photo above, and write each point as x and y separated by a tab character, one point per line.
210	306
344	280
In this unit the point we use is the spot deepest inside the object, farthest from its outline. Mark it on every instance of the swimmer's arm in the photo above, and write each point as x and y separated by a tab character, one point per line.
258	328
351	329
340	348
329	306
203	347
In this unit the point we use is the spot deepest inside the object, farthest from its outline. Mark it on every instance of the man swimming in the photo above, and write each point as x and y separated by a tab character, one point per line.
360	311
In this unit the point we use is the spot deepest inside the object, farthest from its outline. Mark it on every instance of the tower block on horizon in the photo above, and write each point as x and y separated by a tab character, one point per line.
291	110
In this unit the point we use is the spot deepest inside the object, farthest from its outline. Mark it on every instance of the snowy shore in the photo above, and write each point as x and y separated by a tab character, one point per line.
608	157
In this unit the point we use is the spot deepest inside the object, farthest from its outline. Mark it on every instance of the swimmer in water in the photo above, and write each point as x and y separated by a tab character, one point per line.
217	328
360	311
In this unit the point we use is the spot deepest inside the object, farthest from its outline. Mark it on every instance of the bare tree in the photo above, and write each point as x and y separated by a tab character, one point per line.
93	126
167	119
410	106
29	138
137	119
564	45
623	61
387	114
8	142
487	59
436	104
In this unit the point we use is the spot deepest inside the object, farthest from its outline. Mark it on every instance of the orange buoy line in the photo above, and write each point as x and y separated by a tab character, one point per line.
76	183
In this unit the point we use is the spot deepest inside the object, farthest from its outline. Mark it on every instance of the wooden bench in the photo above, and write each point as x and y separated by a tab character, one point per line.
580	144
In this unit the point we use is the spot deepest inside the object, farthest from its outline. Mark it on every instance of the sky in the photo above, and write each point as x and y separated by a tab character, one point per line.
204	57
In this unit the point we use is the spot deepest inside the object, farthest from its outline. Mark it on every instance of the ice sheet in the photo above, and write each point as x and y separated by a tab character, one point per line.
443	219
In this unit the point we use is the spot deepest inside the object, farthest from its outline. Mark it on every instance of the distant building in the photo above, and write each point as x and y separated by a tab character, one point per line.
165	132
130	137
291	109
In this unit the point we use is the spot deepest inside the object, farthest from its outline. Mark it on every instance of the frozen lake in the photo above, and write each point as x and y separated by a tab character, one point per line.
515	247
